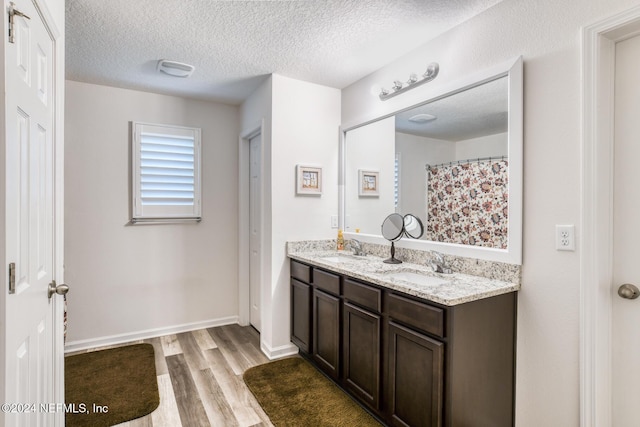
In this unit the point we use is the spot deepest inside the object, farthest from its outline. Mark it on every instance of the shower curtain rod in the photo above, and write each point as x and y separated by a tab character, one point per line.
458	162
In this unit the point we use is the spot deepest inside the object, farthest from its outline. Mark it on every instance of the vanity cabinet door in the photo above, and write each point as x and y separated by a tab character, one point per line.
301	315
415	388
326	332
362	354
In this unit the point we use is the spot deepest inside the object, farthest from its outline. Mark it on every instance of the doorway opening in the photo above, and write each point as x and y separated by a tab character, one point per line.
596	264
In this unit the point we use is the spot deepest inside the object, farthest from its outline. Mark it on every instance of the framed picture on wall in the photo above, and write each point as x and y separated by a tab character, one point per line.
368	183
308	180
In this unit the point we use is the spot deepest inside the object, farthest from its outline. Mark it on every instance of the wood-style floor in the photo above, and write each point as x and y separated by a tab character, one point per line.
200	379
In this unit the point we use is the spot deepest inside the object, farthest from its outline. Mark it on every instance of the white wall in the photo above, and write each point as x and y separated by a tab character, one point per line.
371	148
256	112
306	120
301	122
547	33
130	279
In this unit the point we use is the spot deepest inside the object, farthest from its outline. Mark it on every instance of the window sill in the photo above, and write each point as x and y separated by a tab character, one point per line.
145	221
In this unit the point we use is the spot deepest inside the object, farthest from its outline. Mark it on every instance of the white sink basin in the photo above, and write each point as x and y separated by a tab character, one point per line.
416	278
339	258
332	258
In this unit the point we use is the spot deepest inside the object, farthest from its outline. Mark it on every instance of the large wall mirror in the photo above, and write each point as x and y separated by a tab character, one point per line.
454	161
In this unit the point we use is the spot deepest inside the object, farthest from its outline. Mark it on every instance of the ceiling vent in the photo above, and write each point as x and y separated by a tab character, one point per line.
422	118
174	68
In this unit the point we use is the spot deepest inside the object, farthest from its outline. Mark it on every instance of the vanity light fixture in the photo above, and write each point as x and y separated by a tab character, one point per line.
414	81
175	68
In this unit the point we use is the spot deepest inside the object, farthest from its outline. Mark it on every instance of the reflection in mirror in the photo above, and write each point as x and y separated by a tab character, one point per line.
444	161
370	148
413	226
460	144
467	202
415	153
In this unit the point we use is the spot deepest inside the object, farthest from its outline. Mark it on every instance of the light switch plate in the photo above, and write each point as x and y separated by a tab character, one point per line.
565	237
334	221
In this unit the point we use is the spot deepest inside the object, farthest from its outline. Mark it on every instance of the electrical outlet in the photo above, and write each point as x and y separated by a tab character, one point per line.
565	237
334	221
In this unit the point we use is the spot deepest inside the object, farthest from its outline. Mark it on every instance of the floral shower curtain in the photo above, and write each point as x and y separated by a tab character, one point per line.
467	203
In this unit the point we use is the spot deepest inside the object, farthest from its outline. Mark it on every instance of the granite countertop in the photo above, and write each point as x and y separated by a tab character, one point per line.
457	289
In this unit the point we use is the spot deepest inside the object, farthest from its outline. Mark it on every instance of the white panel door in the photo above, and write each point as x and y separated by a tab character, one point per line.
29	325
626	246
255	231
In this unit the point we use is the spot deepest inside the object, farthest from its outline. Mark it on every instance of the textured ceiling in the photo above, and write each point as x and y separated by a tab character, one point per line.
235	44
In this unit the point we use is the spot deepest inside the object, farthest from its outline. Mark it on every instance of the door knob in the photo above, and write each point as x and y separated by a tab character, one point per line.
628	291
57	289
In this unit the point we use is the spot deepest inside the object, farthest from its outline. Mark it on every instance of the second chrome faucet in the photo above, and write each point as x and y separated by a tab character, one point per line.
438	264
356	246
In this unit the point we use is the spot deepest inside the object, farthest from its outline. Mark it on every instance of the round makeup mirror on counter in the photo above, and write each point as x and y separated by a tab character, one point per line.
413	226
392	230
392	227
395	226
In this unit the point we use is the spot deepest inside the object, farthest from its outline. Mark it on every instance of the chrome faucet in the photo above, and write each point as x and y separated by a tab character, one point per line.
357	248
438	265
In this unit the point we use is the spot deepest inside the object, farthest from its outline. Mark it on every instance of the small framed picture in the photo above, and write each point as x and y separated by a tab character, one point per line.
308	180
368	183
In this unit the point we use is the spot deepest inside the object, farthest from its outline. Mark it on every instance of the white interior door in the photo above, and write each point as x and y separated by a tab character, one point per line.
255	229
30	362
626	225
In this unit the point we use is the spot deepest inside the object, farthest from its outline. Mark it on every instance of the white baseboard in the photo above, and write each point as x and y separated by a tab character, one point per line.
149	333
278	352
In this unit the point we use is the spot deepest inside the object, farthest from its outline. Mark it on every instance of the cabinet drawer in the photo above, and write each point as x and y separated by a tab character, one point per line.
300	271
363	295
326	281
417	314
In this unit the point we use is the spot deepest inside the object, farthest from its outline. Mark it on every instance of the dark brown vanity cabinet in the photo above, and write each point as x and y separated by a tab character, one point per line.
301	306
415	347
415	387
362	338
361	334
326	332
326	322
411	362
301	314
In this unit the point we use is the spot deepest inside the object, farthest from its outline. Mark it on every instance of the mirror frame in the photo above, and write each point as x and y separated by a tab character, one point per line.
513	70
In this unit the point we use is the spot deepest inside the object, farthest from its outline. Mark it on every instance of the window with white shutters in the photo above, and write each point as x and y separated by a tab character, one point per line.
166	173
